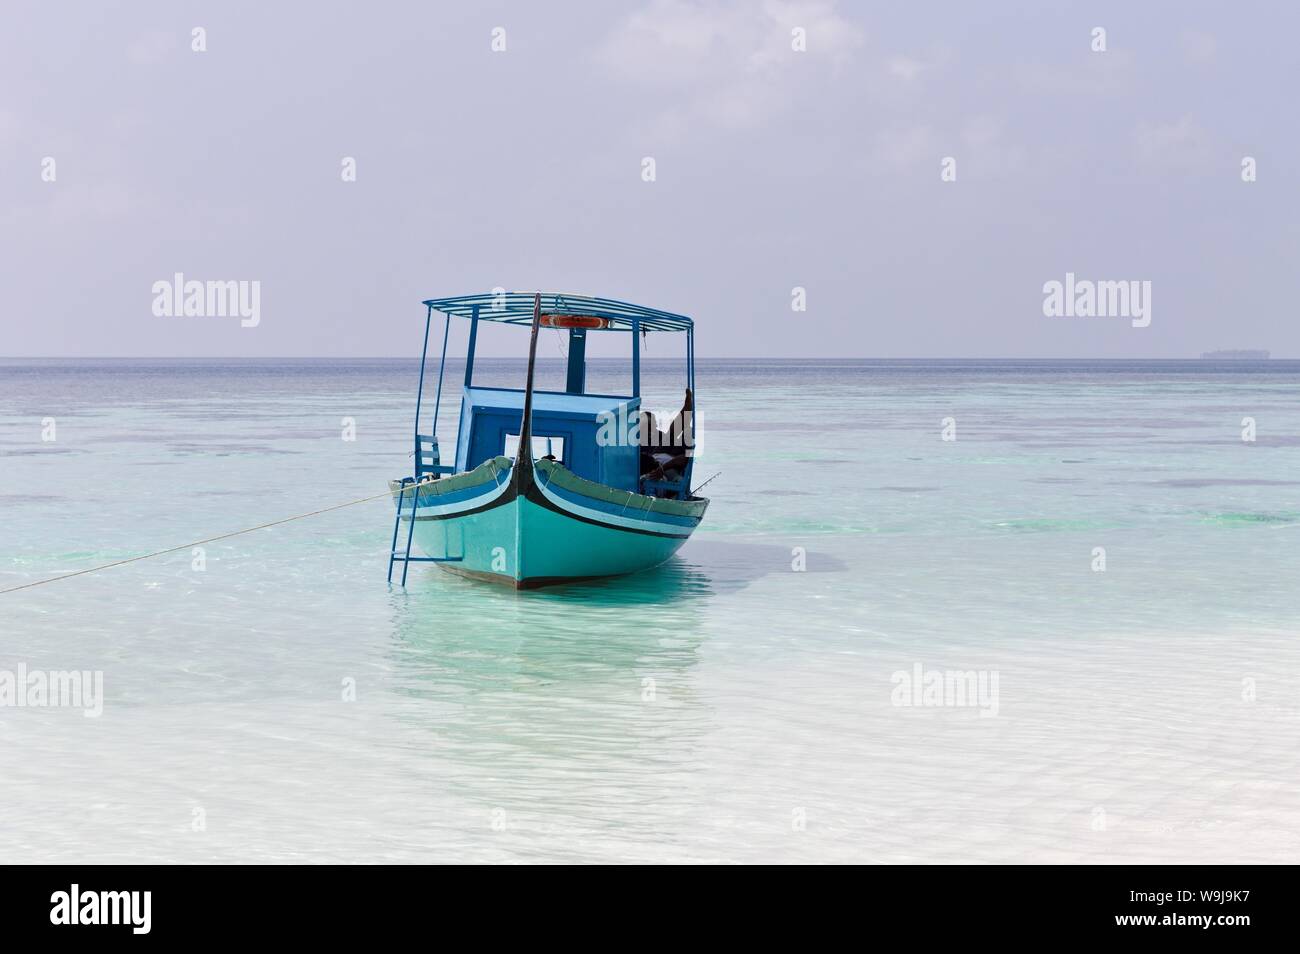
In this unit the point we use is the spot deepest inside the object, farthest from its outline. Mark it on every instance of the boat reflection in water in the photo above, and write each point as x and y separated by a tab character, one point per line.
461	637
525	703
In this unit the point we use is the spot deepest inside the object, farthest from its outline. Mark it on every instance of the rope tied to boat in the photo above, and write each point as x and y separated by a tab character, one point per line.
196	543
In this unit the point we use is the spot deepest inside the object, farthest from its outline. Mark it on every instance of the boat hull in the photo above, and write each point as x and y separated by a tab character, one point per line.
543	526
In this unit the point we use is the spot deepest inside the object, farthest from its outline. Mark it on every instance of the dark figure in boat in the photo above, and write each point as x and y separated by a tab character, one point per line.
664	453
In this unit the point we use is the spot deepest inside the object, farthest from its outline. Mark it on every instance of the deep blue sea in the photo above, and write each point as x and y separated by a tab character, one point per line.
1113	548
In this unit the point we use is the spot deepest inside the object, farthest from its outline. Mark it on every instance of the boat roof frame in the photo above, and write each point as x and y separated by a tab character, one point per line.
516	308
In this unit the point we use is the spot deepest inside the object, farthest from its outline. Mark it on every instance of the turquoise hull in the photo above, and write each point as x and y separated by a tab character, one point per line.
542	526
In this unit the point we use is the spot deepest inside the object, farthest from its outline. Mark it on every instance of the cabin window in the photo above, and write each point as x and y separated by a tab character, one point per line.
542	446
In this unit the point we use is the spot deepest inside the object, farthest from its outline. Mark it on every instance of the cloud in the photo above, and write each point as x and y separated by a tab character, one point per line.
62	205
1097	74
727	63
980	143
1199	47
906	68
81	203
154	47
1180	145
988	149
908	145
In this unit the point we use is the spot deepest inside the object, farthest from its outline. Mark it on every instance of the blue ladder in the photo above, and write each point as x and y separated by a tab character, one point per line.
427	461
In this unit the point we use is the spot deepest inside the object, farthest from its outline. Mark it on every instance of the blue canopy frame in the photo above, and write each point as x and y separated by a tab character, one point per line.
516	308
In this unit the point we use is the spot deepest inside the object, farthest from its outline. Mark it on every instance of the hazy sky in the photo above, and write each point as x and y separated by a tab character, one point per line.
774	168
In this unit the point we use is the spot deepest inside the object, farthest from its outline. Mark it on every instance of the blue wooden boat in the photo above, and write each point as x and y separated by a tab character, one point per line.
549	487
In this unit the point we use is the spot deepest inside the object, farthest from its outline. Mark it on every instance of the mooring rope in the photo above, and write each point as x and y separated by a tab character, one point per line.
196	543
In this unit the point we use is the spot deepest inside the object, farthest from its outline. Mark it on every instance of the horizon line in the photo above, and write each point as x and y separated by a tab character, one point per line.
644	358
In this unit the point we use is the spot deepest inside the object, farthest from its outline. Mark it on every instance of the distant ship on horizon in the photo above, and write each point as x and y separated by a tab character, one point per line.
1238	354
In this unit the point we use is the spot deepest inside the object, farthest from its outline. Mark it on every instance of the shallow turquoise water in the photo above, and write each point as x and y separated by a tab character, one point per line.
722	707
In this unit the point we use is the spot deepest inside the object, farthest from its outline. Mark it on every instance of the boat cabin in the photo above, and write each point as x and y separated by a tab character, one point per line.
590	434
603	438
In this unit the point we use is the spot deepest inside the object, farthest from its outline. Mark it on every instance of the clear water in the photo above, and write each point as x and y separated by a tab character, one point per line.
495	726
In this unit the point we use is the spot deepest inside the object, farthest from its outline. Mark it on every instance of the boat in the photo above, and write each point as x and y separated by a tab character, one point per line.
1236	354
549	487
